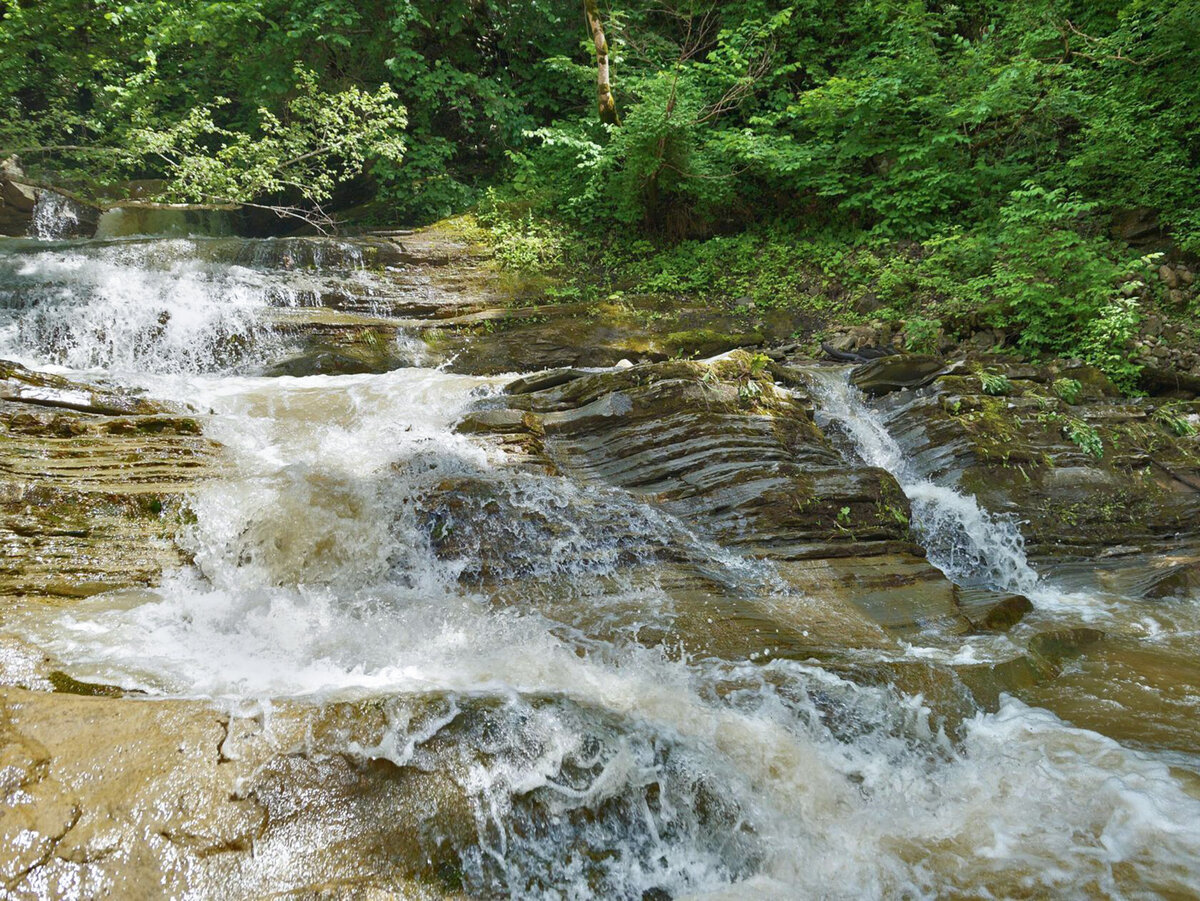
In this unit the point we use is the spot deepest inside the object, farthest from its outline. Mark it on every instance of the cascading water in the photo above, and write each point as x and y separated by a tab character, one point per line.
54	217
355	547
167	306
968	543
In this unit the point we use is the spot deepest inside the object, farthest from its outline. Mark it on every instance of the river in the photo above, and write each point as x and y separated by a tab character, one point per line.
596	760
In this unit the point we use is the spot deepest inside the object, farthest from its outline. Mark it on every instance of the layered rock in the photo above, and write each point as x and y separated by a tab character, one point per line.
724	450
90	484
1088	473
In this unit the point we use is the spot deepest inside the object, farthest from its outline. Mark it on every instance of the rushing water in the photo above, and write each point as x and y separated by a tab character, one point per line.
328	564
966	542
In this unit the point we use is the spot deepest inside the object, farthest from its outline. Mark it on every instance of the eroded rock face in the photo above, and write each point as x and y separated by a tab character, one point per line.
141	799
724	450
1085	477
90	485
392	799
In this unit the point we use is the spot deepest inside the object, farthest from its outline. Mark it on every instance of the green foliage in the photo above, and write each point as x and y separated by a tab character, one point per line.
994	383
1085	437
322	139
521	242
1069	390
921	335
1048	279
1107	339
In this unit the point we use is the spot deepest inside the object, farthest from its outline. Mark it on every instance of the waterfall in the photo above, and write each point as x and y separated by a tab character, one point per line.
54	217
203	305
499	641
971	545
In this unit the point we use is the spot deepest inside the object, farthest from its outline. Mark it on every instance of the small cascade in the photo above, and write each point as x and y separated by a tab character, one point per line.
968	543
132	308
205	305
56	217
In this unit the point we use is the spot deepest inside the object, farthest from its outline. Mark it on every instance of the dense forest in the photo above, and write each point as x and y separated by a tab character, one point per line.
948	166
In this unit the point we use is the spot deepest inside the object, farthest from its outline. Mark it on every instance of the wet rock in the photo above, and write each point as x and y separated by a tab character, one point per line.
91	485
990	611
722	449
895	372
38	389
988	681
64	683
132	798
1064	644
1158	379
1178	581
17	202
1137	692
1081	476
141	798
332	362
543	380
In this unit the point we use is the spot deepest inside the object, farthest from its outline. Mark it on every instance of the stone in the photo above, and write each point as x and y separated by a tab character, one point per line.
983	339
542	381
1064	644
17	202
1168	276
990	611
895	372
1181	580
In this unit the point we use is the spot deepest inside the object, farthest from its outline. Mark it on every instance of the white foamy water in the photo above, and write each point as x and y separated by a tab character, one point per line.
183	305
352	545
54	216
962	539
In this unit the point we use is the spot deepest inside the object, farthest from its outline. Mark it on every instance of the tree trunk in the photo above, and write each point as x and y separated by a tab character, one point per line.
604	94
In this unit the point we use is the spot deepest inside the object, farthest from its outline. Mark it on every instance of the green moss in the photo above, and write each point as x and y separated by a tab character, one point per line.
65	684
705	342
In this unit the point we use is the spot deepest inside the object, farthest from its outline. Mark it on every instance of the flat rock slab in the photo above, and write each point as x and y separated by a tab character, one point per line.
896	371
145	799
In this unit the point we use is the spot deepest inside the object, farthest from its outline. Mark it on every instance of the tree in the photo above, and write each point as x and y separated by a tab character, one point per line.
604	95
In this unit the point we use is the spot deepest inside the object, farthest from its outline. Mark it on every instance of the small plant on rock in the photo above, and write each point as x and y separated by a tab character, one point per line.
1069	390
1175	421
1085	437
995	383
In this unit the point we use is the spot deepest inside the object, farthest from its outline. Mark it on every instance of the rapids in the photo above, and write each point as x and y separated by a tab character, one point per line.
520	631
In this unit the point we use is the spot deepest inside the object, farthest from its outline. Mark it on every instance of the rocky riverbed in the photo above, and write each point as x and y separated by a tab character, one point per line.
356	568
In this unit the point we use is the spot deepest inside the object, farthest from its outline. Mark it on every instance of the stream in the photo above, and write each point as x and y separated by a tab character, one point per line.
516	646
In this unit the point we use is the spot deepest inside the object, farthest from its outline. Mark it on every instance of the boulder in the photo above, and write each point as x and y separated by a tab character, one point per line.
895	372
17	202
